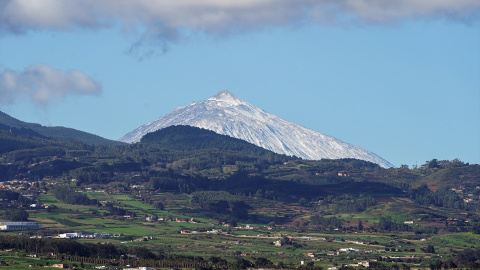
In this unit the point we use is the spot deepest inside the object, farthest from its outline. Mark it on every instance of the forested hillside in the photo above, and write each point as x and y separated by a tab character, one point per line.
208	183
188	159
18	127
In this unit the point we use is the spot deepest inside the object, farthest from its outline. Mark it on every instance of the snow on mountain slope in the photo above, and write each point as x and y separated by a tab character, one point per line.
226	114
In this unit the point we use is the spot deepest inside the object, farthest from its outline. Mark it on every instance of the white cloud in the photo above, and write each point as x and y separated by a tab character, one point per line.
43	85
164	21
379	11
213	15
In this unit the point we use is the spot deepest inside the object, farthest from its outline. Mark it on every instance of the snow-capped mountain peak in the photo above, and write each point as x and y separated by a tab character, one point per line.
226	114
226	96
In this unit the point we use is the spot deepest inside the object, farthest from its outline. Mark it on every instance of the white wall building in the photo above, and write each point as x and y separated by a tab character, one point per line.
70	235
24	225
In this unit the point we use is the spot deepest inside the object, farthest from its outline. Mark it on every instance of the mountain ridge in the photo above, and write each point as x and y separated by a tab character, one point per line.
226	114
19	127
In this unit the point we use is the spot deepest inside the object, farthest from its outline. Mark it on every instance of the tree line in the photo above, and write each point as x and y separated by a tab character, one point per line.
68	195
107	253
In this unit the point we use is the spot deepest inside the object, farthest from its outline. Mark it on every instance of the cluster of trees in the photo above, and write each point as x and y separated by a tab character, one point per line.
104	173
349	203
53	168
221	202
476	228
323	222
173	182
68	195
442	164
152	200
387	224
116	211
8	195
90	175
16	215
267	194
443	197
6	171
469	258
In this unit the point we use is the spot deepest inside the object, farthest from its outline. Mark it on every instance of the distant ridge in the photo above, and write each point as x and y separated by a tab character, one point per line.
226	114
56	133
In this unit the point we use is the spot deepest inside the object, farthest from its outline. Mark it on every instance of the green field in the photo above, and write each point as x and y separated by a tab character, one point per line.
233	242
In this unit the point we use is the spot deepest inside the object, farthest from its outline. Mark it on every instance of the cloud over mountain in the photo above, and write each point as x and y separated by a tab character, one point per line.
43	84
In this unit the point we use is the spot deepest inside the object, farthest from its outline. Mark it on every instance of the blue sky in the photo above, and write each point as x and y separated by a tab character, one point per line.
400	79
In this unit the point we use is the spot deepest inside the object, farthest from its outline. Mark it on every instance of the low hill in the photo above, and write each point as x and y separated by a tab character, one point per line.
468	175
188	138
18	127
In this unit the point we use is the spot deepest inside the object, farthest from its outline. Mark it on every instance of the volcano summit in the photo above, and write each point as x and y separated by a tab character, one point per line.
226	114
